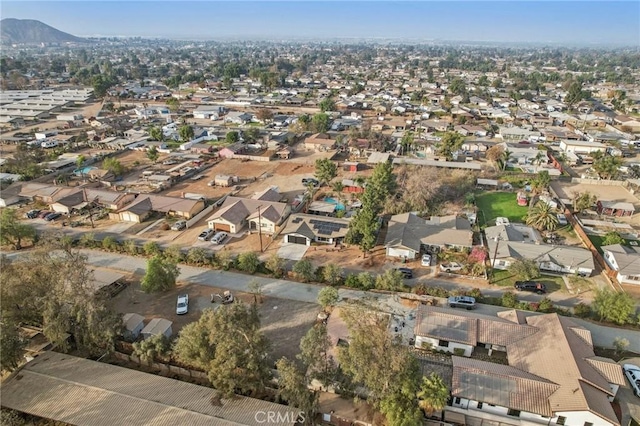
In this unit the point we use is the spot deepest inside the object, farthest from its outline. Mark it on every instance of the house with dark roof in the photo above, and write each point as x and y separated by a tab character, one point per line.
78	198
307	228
552	375
625	260
146	204
408	234
509	243
263	211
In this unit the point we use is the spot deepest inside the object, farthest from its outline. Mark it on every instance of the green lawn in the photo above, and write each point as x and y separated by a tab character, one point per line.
507	279
499	204
598	239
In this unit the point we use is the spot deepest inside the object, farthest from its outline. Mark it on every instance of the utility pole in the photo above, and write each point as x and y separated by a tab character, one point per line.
260	228
495	253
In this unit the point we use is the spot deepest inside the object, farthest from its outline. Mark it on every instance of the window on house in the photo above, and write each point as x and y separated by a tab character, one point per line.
492	405
444	343
457	401
588	424
514	413
479	405
561	420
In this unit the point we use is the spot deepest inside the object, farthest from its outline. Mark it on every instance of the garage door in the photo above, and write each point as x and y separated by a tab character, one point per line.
296	240
222	227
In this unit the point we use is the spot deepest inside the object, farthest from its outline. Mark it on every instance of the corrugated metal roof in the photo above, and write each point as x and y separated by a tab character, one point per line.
84	392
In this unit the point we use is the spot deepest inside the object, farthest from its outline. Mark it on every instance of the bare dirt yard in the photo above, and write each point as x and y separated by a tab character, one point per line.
284	322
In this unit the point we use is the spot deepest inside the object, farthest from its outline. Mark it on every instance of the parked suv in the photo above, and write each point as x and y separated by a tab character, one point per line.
406	272
219	238
466	302
179	225
531	286
182	306
310	181
451	267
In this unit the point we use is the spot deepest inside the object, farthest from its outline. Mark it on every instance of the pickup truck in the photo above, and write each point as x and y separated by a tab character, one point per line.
450	267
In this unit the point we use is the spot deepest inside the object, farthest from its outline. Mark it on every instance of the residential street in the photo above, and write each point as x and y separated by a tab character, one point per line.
601	335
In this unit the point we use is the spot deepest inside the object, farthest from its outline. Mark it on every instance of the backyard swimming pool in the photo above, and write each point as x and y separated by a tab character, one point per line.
83	171
339	205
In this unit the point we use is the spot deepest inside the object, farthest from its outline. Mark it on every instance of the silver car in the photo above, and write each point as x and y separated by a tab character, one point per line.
182	306
219	238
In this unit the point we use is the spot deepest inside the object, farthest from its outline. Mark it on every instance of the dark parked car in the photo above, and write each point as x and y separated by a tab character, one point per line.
406	272
310	181
44	213
32	214
531	286
52	216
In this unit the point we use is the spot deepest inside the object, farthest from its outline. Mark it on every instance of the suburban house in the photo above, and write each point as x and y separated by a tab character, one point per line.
262	212
146	204
408	235
319	142
208	112
532	387
625	260
508	243
231	150
42	192
307	228
79	198
10	195
236	117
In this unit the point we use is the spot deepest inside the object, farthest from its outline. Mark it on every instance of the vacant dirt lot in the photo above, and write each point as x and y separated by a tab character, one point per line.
284	322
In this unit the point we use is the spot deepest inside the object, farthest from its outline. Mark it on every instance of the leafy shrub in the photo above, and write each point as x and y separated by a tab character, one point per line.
546	305
151	248
248	262
458	351
110	244
509	300
582	310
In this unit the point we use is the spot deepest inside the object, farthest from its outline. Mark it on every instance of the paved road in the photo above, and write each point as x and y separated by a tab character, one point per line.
601	335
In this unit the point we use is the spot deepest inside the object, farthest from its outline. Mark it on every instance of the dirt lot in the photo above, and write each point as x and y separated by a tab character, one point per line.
284	322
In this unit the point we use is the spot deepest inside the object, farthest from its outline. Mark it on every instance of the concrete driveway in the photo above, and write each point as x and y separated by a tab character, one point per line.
629	403
292	251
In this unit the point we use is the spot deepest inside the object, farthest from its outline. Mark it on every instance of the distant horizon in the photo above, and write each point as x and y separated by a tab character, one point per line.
574	23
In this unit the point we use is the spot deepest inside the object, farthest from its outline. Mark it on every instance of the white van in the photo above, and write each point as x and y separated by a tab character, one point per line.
219	238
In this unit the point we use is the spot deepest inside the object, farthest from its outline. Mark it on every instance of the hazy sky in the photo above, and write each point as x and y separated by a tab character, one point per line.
583	22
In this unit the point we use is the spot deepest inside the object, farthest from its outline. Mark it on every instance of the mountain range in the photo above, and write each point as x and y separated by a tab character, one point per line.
30	31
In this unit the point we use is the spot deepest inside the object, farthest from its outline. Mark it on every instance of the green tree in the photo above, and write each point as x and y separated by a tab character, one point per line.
613	306
153	154
11	346
173	104
315	349
332	274
186	133
264	115
320	123
293	388
197	256
450	143
275	265
248	262
391	280
327	297
458	86
232	137
325	170
433	394
161	275
611	238
542	217
156	133
541	181
229	345
582	201
173	253
304	269
113	165
12	231
327	104
150	349
607	166
509	300
524	269
151	248
406	142
383	365
80	161
575	94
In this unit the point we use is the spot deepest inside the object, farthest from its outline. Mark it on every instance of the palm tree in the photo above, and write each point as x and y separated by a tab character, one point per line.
506	155
542	217
433	394
540	157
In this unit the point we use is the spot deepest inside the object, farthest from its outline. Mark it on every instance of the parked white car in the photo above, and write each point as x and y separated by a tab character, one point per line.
426	260
450	267
562	219
633	375
179	225
219	238
183	304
